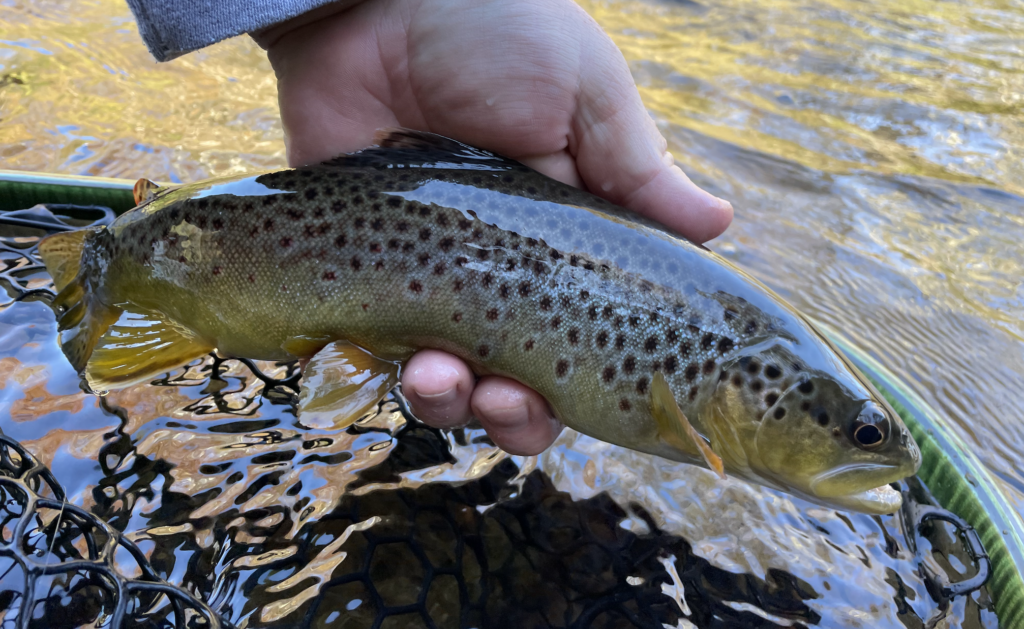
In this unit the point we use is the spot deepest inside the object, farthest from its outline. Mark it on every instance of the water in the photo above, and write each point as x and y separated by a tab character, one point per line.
873	155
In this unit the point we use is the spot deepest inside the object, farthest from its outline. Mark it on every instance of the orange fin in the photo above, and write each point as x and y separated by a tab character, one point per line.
144	190
341	383
676	430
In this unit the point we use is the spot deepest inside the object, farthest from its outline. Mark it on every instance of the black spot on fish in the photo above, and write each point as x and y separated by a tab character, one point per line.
779	412
545	303
358	199
771	399
693	393
607	312
805	406
492	314
753	367
806	387
528	345
375	247
482	254
671	364
393	244
602	339
554	255
565	301
651	344
629	365
424	259
772	372
608	374
359	222
555	322
823	418
268	225
356	263
393	201
592	313
756	386
415	286
562	368
295	214
488	279
524	289
751	327
641	385
425	234
483	351
311	193
573	336
286	242
377	224
439	268
328	275
684	348
725	345
457	317
503	291
624	404
218	223
510	265
707	341
339	206
709	366
620	341
424	210
538	267
402	226
737	380
457	285
446	244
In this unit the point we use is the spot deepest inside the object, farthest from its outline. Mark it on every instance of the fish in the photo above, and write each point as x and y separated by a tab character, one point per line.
634	335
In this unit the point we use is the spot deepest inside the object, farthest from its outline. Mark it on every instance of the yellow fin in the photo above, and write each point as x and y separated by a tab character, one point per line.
144	190
62	255
139	347
341	383
675	429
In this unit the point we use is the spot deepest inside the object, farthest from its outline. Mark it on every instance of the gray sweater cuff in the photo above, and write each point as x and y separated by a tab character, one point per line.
172	28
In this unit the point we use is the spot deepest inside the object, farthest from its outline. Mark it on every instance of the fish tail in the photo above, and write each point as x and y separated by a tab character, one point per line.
81	317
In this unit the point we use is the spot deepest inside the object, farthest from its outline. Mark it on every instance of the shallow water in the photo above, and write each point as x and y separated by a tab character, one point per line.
872	154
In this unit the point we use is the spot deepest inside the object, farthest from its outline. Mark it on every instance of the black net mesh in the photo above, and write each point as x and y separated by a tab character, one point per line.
503	549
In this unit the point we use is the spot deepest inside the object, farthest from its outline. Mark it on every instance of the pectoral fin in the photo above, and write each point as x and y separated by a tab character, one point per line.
676	430
341	383
138	347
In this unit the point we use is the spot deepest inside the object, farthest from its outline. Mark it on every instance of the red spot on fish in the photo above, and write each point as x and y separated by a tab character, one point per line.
366	307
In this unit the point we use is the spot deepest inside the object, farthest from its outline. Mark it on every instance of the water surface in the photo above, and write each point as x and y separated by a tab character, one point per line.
873	154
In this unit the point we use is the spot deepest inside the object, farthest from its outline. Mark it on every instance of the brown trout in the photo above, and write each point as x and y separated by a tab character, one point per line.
633	335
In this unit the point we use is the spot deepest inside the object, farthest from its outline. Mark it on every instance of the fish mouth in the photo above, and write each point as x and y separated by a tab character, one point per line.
840	481
882	500
842	487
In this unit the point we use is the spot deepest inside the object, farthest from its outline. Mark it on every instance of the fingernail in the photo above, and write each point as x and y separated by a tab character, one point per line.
448	395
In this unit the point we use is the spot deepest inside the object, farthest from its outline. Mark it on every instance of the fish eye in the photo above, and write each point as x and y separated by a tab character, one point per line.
868	435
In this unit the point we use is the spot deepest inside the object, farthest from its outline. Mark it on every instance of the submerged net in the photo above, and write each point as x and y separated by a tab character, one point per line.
502	548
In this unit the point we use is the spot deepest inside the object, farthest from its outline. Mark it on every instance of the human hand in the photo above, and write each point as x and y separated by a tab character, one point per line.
535	80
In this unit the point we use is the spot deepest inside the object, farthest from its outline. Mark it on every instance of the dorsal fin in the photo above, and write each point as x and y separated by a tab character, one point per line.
405	148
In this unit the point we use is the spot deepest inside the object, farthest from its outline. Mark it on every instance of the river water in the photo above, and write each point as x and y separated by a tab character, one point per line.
873	155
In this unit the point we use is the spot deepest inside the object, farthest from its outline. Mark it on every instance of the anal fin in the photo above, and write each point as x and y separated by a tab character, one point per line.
138	347
341	383
676	430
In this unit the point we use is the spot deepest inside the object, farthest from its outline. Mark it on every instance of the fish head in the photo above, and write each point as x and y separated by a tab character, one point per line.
823	432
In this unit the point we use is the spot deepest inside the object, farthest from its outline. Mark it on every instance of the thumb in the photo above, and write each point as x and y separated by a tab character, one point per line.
621	155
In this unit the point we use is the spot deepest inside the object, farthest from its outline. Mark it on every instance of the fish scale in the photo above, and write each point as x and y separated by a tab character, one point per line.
427	243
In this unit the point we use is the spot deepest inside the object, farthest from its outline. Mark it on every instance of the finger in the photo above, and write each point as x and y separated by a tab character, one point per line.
438	387
621	155
560	166
516	417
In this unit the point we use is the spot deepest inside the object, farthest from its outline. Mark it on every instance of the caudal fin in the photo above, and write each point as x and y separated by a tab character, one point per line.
81	317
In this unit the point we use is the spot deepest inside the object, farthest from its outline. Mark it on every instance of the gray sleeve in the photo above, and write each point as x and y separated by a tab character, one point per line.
172	28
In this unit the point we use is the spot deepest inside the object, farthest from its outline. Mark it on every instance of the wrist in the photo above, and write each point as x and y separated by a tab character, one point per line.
267	37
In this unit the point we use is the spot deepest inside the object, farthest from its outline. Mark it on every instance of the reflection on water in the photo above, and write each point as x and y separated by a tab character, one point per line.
872	153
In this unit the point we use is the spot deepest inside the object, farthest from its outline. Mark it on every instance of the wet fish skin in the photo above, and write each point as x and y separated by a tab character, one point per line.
428	243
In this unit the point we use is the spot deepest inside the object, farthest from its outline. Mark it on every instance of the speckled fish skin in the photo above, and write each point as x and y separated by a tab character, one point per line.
429	243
